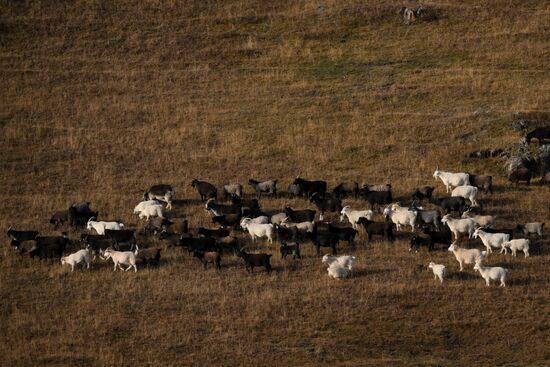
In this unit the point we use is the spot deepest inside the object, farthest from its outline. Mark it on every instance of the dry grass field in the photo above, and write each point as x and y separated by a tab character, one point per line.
101	99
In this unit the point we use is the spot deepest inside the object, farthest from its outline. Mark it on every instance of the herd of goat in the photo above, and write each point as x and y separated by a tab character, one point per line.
111	240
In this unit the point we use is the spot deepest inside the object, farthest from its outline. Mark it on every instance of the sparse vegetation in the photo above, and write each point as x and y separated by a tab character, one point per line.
101	100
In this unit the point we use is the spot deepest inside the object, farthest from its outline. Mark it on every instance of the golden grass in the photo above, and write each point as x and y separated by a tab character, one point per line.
101	100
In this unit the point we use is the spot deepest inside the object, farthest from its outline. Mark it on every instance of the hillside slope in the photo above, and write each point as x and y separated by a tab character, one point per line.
100	100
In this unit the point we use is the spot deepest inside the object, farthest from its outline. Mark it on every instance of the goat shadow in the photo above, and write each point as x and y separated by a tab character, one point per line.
366	272
186	202
462	275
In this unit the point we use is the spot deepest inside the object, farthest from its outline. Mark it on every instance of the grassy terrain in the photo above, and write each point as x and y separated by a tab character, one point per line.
100	100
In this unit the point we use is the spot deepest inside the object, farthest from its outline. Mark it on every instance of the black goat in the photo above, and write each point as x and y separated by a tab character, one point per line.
249	203
215	233
421	239
149	255
206	190
230	220
252	260
329	204
21	236
80	214
299	216
50	246
323	239
378	228
199	244
59	218
228	244
171	239
222	209
311	187
97	243
376	197
422	192
450	204
444	236
343	233
211	257
290	249
286	234
122	236
483	182
346	188
155	225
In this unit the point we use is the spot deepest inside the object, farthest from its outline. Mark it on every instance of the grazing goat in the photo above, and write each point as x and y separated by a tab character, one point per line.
452	179
198	244
214	233
221	209
233	190
443	236
491	273
354	215
205	189
230	220
121	236
96	243
21	236
329	204
486	221
439	270
161	192
457	226
452	204
148	255
265	186
100	227
207	257
521	244
286	234
508	231
292	248
50	246
121	258
421	239
253	260
171	239
466	256
344	261
428	216
79	214
59	218
297	216
156	225
147	209
422	192
321	239
378	228
467	192
258	230
228	244
401	216
311	187
346	188
376	197
338	272
489	240
531	228
252	204
82	256
483	182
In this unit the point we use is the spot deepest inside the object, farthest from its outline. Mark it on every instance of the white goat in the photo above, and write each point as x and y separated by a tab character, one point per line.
233	189
304	227
338	272
355	215
457	226
531	228
487	221
341	261
100	227
278	218
439	270
82	256
262	219
521	244
401	216
452	179
147	209
258	230
121	257
429	217
467	192
495	240
491	273
466	256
